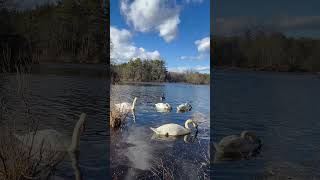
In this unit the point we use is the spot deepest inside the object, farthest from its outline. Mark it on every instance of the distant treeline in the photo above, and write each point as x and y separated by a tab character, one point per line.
66	31
137	70
267	51
188	77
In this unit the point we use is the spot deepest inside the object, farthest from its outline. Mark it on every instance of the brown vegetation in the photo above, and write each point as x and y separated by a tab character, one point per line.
189	77
117	119
18	161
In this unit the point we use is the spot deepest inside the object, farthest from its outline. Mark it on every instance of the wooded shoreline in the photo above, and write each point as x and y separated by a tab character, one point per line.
138	70
266	51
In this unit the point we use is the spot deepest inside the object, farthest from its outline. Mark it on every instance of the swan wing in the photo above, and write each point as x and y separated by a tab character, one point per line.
163	107
45	139
228	140
159	105
125	106
172	130
184	107
236	144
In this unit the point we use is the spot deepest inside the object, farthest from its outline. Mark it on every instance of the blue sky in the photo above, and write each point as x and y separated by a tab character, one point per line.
292	17
176	31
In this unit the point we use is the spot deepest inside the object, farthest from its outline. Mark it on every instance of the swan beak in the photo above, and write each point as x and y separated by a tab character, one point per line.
195	125
83	128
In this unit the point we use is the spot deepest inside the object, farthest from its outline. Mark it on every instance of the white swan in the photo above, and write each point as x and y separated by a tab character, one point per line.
52	140
163	107
174	129
238	146
126	107
184	107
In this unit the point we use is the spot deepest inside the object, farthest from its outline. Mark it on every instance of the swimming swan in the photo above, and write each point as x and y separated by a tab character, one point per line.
52	140
184	107
174	129
245	144
163	107
125	106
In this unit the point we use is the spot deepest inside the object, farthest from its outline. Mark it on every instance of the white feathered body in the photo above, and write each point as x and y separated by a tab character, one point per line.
47	139
184	107
124	107
171	130
163	107
236	145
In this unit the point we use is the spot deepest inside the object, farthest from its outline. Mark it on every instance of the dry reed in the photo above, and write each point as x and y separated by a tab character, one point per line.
20	160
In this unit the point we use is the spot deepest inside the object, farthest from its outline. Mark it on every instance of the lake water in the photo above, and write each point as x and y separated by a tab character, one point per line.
135	153
56	100
283	109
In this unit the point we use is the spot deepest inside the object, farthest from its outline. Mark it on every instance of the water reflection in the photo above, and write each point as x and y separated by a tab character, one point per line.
74	157
282	108
139	152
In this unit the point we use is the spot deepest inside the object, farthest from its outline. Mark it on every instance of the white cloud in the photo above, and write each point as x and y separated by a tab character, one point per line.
203	47
180	69
191	58
156	15
202	68
194	1
123	49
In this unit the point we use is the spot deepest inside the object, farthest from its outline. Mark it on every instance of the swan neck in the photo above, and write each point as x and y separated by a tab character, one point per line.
76	134
186	124
75	165
134	103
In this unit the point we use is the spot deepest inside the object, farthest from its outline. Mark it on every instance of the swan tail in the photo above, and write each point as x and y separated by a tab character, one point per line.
154	130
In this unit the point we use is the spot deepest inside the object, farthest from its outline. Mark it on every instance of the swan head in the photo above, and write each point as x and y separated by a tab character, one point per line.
195	125
135	99
250	136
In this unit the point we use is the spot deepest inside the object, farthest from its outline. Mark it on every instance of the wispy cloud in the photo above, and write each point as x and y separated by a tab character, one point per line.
156	15
180	69
191	58
123	49
203	48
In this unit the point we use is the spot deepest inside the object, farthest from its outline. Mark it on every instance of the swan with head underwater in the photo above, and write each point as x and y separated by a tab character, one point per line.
163	107
175	129
185	107
126	107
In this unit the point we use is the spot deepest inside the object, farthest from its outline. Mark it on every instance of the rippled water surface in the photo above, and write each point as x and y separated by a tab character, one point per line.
134	150
283	109
57	101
